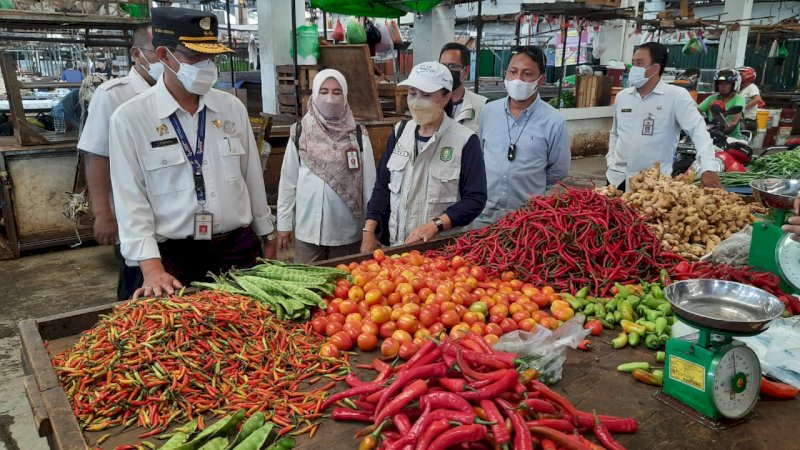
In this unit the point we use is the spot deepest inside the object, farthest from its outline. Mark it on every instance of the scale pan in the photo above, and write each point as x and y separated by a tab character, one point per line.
726	306
776	193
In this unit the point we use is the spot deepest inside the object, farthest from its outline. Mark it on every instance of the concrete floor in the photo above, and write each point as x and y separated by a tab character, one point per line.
64	280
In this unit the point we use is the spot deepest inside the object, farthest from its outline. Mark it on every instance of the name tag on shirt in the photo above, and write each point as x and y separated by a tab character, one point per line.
203	224
352	159
164	142
627	110
647	126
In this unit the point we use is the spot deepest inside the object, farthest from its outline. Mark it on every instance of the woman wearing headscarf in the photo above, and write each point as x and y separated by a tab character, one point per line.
327	176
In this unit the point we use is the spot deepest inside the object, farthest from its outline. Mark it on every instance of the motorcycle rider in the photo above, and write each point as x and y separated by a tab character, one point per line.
726	83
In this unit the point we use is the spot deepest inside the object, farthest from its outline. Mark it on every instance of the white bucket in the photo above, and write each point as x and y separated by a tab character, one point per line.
758	139
774	118
784	133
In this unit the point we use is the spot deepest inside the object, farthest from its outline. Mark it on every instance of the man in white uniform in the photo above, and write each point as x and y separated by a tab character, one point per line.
465	106
188	184
94	142
648	117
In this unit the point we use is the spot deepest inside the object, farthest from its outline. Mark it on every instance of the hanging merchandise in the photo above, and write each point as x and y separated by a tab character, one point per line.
701	40
600	44
692	47
781	54
307	45
338	32
375	8
773	50
373	36
385	43
355	32
394	30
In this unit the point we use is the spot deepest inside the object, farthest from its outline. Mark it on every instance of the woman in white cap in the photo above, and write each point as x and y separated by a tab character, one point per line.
431	179
327	176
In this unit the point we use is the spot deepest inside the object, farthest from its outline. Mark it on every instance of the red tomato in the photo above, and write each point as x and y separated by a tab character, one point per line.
478	273
496	318
367	342
342	341
563	314
407	350
390	347
450	318
341	291
370	328
457	262
501	310
428	315
402	336
459	331
387	329
493	328
436	328
319	325
527	324
404	288
333	328
386	287
380	314
328	350
408	323
595	327
394	298
508	325
491	338
470	317
418	284
336	317
333	307
412	308
356	293
373	297
520	316
478	328
353	329
353	317
378	255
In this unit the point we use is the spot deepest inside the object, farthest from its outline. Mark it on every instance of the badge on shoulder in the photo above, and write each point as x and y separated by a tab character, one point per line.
203	224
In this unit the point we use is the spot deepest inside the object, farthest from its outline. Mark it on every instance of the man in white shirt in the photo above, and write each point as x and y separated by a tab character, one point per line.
465	106
188	184
94	143
648	117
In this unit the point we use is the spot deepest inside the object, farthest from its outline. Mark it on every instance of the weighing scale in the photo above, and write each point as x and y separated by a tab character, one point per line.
710	372
771	249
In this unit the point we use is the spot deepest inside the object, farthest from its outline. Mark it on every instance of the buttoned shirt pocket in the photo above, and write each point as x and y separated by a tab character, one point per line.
443	183
396	166
231	152
165	170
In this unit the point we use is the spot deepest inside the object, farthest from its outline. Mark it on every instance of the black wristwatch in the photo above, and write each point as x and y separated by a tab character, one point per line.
439	224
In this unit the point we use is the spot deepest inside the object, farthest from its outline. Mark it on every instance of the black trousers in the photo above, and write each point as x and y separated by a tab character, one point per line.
130	278
190	260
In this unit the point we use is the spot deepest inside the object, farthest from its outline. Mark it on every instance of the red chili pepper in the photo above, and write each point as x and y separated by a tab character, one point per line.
402	423
556	424
494	376
585	345
522	437
504	384
540	406
423	372
557	399
364	389
623	425
547	444
436	428
459	435
399	444
778	390
559	438
453	384
409	394
499	430
351	415
468	371
604	436
427	349
445	400
352	380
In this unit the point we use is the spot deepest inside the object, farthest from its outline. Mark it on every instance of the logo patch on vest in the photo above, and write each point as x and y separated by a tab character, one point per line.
446	154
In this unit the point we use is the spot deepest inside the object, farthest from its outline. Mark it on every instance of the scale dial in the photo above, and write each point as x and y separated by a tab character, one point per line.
788	255
737	380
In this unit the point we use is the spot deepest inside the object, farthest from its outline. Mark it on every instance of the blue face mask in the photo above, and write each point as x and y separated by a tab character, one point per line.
636	76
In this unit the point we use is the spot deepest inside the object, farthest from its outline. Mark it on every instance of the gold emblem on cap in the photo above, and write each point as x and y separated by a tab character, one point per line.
162	130
217	123
205	23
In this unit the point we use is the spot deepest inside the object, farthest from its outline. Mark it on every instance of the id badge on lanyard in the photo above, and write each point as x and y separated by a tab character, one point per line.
648	125
203	220
352	159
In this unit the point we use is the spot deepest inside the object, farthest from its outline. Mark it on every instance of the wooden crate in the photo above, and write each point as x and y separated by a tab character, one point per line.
607	3
286	87
593	90
397	97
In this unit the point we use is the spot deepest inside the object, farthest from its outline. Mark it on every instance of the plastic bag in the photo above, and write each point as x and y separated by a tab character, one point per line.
385	43
781	54
778	349
338	32
355	33
545	350
307	45
600	44
692	47
733	251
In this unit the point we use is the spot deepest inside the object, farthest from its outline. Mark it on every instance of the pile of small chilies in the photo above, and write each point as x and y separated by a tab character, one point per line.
158	361
464	392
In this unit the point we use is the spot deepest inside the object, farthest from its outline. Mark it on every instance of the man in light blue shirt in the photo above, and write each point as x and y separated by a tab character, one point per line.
526	146
71	75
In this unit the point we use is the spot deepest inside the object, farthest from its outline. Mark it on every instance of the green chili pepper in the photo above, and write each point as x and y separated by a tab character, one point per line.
611	319
641	310
626	310
663	338
671	320
631	366
622	291
649	326
606	324
659	375
665	308
657	292
633	340
617	316
660	357
634	301
652	342
600	309
612	305
653	303
620	341
583	292
589	309
653	314
661	325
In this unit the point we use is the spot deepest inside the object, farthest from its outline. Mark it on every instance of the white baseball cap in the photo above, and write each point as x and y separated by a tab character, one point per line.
429	77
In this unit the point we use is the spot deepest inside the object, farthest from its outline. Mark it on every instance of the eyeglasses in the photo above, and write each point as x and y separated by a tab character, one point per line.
454	66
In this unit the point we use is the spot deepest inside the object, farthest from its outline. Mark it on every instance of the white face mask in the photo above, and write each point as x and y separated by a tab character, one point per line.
636	76
196	78
155	70
424	112
329	106
521	90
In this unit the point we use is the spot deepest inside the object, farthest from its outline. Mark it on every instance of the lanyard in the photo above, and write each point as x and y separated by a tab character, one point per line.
195	157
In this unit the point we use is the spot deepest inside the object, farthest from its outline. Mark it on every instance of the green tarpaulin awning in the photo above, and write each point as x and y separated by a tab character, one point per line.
390	9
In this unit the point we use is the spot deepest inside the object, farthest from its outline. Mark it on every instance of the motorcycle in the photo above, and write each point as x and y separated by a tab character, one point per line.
730	154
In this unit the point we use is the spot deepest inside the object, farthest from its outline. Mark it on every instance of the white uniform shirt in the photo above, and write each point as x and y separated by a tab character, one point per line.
152	178
750	91
311	208
105	100
671	109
